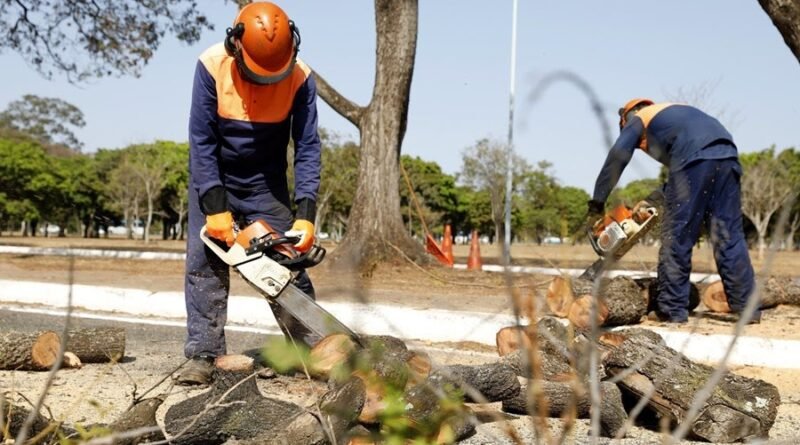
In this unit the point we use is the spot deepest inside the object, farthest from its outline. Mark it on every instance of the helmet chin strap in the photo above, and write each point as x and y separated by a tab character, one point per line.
233	46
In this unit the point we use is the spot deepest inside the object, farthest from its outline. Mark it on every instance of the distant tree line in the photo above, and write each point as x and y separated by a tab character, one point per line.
46	179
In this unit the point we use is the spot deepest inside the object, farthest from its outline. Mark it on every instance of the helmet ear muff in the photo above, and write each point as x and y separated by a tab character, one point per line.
231	35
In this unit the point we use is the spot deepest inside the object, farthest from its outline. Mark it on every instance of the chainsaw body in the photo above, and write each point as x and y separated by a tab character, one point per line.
613	235
266	260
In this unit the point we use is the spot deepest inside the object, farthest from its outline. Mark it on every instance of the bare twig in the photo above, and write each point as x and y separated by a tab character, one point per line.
22	435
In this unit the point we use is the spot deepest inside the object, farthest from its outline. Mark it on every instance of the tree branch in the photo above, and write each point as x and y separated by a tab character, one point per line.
785	15
342	105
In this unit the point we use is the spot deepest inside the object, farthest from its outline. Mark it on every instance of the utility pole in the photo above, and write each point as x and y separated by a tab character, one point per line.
510	147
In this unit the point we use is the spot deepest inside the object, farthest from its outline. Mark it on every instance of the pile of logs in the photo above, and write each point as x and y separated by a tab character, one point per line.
554	364
619	300
626	301
382	388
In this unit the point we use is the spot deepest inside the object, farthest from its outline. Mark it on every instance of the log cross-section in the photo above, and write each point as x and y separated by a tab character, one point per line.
28	351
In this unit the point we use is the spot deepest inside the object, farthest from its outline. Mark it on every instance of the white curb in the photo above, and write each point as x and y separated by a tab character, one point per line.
421	324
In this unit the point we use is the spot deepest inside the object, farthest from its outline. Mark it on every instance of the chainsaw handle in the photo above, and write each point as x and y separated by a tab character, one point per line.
223	254
593	242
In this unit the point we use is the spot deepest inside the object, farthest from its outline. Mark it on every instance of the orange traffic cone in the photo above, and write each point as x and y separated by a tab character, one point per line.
447	243
474	259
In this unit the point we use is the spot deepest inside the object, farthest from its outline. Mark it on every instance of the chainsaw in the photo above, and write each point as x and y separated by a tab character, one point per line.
615	233
268	262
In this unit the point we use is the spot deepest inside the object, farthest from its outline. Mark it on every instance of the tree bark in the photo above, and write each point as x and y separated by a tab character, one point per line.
738	408
427	413
649	288
375	226
28	351
13	417
776	291
494	381
620	302
97	345
785	15
234	407
140	415
559	399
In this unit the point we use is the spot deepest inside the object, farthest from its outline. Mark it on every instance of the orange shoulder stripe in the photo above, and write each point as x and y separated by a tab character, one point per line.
647	114
239	99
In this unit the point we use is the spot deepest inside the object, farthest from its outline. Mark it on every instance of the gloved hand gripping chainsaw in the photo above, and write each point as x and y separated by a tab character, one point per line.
616	232
266	260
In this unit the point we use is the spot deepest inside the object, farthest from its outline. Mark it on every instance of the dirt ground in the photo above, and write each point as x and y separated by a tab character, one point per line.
400	284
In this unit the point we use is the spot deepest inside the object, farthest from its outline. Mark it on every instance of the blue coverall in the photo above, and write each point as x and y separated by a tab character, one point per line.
238	136
703	188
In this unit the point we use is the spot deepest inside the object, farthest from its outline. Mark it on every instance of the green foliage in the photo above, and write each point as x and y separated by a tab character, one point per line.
49	121
435	191
484	168
337	182
633	192
284	356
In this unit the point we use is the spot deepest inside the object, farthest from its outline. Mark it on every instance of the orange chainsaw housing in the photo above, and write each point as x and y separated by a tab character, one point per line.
258	230
617	214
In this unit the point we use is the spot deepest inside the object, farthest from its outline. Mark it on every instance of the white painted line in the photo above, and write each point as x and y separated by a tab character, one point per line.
99	253
428	325
694	277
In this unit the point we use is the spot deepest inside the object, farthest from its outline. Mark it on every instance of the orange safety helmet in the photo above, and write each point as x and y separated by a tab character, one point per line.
631	105
264	43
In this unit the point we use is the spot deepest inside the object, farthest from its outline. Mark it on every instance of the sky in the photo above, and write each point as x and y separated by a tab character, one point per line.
726	53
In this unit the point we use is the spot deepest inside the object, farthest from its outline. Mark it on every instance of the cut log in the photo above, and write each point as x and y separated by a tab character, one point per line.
139	416
553	355
620	302
234	407
13	417
493	381
71	361
739	408
419	367
776	291
341	407
97	345
649	286
560	296
548	332
434	411
35	351
332	351
558	399
580	313
510	339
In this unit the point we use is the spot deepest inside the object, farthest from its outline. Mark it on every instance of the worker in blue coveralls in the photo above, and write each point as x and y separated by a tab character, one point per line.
703	188
250	94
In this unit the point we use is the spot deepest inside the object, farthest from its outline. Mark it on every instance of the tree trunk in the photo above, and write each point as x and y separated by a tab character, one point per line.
375	224
97	345
777	290
28	351
785	15
558	399
739	408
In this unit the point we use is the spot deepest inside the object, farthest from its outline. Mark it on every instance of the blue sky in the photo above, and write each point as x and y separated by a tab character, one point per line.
461	80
